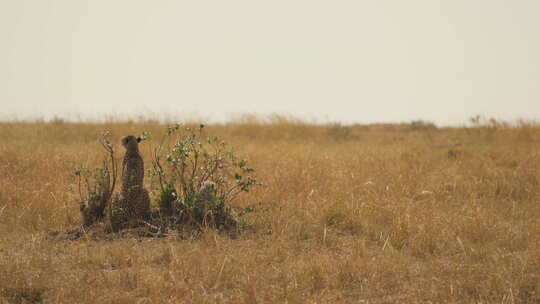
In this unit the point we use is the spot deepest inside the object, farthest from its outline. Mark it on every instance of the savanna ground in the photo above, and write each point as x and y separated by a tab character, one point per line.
362	214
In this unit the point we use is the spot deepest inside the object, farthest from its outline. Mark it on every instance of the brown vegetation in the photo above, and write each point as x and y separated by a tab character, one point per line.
349	214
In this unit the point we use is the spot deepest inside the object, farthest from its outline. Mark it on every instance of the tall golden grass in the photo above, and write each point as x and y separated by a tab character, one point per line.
349	214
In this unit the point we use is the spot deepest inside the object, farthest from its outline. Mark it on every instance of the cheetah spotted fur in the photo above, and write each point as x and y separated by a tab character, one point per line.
133	200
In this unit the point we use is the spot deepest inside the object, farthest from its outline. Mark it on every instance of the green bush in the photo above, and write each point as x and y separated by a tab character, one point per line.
95	186
198	177
421	125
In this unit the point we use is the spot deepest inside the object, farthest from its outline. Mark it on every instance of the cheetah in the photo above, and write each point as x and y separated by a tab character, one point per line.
133	201
207	192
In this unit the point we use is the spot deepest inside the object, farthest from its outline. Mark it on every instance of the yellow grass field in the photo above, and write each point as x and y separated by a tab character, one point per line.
361	214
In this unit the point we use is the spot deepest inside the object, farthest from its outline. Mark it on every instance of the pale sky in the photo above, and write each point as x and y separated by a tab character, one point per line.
341	60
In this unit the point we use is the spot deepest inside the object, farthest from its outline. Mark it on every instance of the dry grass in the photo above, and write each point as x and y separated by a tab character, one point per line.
361	214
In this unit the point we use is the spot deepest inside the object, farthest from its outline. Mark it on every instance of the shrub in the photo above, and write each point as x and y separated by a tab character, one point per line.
198	177
95	185
421	125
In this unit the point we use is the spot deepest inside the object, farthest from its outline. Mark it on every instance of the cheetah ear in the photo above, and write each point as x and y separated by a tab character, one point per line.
139	139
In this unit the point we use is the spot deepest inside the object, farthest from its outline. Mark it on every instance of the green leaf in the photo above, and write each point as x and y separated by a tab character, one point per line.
242	163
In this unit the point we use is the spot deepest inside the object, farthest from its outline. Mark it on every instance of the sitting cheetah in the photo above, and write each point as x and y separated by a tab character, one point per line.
207	192
133	200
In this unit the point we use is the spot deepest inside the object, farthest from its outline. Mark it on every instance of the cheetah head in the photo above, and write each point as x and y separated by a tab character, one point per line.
131	142
208	189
